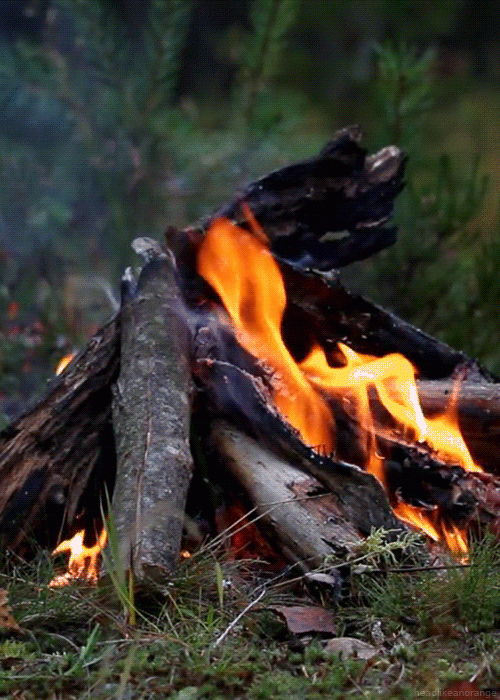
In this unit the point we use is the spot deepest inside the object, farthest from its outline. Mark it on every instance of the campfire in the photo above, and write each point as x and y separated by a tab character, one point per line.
239	266
331	416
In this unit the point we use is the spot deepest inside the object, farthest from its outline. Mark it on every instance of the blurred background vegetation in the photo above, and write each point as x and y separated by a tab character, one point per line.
119	117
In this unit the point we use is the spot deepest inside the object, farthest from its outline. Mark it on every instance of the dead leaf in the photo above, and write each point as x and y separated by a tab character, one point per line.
461	689
345	647
300	619
7	622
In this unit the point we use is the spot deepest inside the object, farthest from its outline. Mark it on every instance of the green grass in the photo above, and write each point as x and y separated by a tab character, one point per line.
467	597
76	642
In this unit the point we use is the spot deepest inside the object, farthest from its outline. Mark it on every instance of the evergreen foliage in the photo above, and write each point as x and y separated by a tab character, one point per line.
261	59
98	146
441	274
403	92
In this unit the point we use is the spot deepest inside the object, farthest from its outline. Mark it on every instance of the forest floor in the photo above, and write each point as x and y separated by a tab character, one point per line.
419	633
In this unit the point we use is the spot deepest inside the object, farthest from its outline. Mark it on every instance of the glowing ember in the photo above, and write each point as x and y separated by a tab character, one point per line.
64	362
83	561
239	266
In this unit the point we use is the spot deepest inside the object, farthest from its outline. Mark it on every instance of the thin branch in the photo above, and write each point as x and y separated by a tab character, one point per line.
237	619
414	569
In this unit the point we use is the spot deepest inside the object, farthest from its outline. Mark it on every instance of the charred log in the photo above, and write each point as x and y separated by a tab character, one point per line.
329	210
56	458
323	308
320	214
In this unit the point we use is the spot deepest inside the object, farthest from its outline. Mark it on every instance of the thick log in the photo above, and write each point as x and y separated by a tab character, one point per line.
324	310
329	210
151	417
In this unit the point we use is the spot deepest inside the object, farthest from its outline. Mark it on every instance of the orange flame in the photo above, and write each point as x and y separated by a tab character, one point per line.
239	266
64	362
241	269
83	561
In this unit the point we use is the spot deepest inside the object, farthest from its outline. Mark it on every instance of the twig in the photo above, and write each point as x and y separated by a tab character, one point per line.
413	569
237	619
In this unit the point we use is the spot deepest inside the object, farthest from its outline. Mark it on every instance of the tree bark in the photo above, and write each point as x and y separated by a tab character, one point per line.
151	417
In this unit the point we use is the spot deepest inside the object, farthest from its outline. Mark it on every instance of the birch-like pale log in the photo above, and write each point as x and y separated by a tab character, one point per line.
304	521
151	417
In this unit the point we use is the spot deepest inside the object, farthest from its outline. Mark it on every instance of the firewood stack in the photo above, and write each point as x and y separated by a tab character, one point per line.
119	419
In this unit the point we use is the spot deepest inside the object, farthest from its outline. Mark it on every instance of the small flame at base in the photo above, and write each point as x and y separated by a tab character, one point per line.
64	362
416	518
83	561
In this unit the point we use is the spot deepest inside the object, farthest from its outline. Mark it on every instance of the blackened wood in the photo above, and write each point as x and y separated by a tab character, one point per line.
329	210
151	417
320	307
56	458
319	214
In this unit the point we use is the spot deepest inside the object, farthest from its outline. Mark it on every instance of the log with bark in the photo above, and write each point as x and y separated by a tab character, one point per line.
151	416
118	418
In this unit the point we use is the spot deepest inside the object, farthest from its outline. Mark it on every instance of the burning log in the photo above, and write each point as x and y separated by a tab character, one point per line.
478	409
243	289
59	455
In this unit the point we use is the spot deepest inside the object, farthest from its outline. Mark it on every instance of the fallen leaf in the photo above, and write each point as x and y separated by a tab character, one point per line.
190	692
346	647
7	622
300	619
461	689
